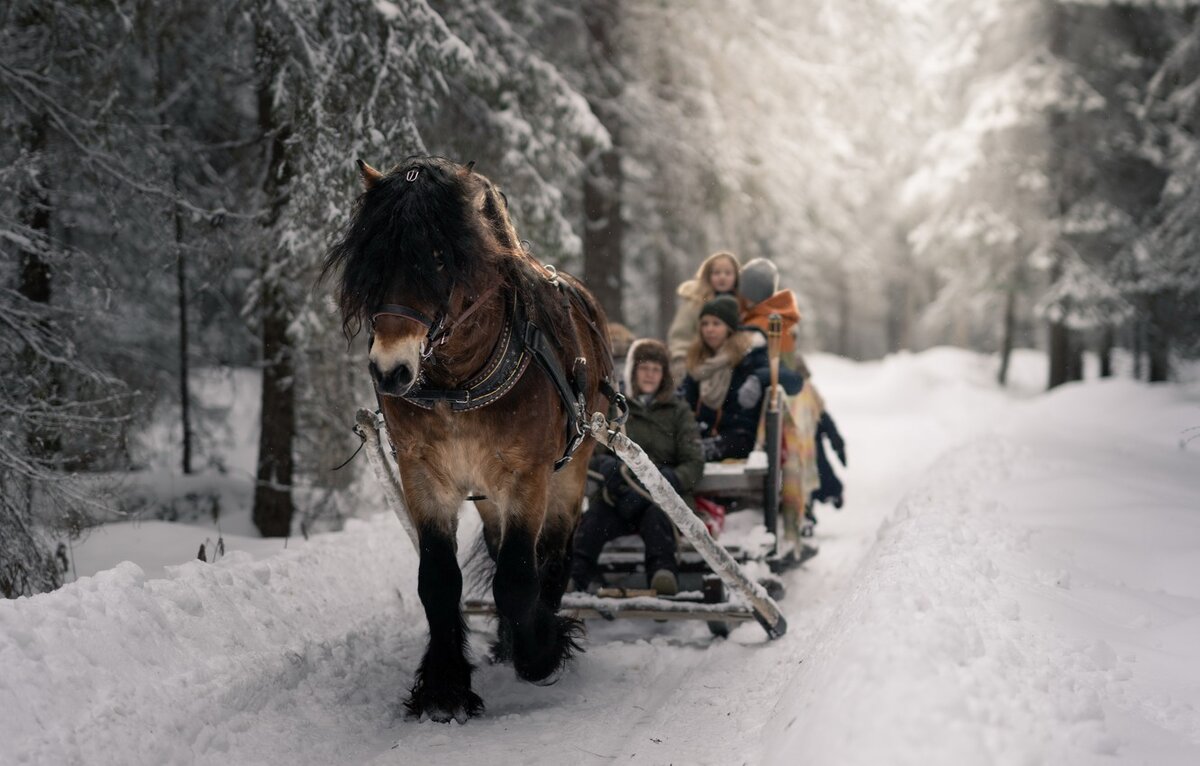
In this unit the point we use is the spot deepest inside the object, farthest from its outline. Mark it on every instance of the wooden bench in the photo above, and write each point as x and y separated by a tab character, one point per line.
741	479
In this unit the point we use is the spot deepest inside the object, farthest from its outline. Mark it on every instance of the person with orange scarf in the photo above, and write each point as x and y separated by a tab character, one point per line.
807	473
760	297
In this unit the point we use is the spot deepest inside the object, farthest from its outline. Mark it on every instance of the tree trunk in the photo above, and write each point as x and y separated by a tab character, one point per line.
1159	358
185	396
1010	328
1158	340
1074	356
1060	339
180	267
34	282
1107	341
603	256
1136	347
843	313
668	282
896	327
898	321
273	506
27	564
603	180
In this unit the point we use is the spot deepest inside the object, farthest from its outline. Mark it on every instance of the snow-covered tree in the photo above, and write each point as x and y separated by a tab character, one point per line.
380	80
1161	272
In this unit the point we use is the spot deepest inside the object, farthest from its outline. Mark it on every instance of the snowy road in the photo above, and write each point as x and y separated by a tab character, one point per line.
978	601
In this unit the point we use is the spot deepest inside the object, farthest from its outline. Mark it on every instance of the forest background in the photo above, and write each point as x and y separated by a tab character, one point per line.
969	172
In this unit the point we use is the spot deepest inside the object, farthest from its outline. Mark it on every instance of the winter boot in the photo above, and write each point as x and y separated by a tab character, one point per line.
664	582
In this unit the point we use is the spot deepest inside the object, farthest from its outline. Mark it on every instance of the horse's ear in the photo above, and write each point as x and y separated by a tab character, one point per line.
470	166
371	177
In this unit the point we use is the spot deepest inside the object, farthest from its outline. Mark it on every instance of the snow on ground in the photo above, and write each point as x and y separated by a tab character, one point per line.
1014	579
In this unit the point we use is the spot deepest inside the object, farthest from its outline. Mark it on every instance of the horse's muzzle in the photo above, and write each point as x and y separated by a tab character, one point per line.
395	382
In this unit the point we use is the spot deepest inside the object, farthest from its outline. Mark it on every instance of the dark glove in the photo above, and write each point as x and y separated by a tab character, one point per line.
713	448
631	499
603	471
827	427
614	483
669	474
750	393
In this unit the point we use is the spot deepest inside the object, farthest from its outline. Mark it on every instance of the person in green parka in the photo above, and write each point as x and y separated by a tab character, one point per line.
664	427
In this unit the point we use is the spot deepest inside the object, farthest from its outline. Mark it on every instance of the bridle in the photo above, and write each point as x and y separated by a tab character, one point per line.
519	343
437	331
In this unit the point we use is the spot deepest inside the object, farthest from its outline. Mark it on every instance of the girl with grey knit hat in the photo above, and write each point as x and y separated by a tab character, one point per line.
727	373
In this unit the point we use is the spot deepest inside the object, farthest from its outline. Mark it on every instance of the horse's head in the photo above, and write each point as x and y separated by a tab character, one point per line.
425	240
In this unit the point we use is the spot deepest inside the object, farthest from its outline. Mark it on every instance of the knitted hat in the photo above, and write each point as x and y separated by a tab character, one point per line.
723	307
759	281
648	350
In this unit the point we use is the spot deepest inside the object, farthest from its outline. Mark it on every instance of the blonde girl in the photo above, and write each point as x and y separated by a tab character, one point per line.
718	275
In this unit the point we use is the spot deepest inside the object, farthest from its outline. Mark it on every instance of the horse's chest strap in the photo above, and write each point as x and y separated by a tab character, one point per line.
500	373
520	342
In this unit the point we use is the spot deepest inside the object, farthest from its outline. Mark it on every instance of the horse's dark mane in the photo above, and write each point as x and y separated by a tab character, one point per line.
419	234
426	236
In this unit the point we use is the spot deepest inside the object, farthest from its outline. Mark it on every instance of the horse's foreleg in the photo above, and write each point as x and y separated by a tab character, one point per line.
557	541
555	546
442	689
542	641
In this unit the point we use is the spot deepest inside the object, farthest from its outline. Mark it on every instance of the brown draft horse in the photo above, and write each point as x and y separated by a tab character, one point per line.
479	354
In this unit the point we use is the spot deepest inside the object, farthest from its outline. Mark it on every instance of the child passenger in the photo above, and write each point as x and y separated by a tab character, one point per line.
727	373
808	475
663	426
718	275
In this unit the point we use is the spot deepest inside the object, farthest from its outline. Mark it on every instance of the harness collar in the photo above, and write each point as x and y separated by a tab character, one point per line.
503	368
520	342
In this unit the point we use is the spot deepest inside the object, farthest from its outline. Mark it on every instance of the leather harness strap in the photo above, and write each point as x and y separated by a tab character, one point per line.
437	331
520	342
396	310
508	361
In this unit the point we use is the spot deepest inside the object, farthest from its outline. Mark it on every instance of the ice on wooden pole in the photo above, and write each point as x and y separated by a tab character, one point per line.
665	497
367	426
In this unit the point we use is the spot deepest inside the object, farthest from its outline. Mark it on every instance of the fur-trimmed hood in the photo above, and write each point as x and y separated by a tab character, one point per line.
649	349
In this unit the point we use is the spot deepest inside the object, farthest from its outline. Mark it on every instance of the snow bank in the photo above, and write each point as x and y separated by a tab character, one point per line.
1034	600
1014	579
120	669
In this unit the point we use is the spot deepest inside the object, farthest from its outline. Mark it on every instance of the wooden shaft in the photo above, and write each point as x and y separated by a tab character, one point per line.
367	426
774	343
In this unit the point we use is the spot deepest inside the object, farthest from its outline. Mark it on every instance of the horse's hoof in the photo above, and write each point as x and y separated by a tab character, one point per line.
543	671
501	653
444	706
543	665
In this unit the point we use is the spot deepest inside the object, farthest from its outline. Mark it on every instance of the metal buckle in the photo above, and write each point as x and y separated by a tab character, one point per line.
411	175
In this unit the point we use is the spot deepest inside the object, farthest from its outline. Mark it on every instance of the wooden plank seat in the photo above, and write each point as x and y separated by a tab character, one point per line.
742	479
